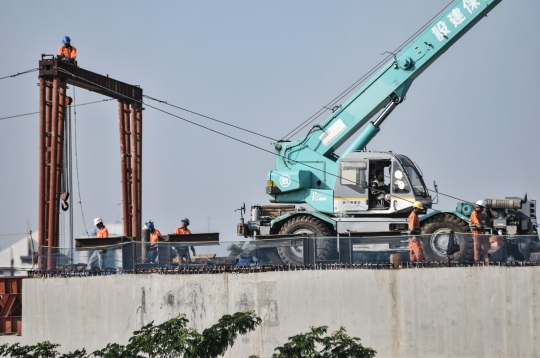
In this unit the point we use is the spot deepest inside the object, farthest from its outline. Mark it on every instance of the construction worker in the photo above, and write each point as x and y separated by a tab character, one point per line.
182	252
481	242
154	238
416	253
379	188
99	255
66	52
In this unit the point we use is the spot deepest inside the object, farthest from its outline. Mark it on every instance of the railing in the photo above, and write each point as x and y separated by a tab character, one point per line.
285	253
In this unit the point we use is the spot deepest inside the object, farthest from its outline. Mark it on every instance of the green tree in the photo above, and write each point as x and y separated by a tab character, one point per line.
235	249
314	345
173	339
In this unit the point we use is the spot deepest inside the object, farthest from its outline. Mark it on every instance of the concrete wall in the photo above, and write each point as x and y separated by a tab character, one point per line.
448	312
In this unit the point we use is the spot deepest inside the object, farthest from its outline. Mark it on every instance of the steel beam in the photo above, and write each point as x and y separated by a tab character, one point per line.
89	80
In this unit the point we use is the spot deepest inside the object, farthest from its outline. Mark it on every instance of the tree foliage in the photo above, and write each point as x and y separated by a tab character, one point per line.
173	338
235	249
313	345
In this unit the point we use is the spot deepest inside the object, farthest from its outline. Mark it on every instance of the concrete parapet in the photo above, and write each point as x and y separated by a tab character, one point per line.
446	312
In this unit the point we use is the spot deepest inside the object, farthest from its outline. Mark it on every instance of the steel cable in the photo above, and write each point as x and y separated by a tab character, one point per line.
213	119
220	133
20	73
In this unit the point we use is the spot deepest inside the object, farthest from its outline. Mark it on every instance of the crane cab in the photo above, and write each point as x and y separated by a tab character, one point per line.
378	183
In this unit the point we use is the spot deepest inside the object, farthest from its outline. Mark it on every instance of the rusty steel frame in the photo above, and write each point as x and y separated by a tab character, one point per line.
130	121
53	79
11	304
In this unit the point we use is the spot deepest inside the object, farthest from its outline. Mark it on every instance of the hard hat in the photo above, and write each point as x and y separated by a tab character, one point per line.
97	221
66	40
481	203
418	205
186	220
150	225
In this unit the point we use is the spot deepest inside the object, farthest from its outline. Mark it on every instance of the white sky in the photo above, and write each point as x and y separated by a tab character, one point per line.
469	121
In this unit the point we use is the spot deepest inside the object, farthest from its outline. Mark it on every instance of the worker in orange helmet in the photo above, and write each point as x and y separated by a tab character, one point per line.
182	251
481	242
66	52
154	238
99	255
416	253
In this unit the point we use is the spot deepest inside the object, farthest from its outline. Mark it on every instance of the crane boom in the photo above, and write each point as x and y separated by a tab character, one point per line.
387	88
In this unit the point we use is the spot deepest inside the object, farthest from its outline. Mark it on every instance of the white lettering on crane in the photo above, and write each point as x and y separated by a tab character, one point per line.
331	133
317	196
471	5
440	30
456	17
285	180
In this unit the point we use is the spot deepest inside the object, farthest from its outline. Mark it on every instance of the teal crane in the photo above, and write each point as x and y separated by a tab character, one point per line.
339	188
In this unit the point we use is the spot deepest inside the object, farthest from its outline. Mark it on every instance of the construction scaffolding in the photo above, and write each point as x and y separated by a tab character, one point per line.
54	76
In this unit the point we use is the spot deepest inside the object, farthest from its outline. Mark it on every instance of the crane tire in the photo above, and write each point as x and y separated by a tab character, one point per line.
310	225
435	232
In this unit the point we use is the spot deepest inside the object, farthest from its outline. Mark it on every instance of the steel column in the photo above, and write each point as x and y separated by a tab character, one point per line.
135	171
129	170
138	114
123	168
42	164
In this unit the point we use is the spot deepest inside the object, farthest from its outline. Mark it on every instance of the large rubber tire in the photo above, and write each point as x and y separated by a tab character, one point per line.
436	230
305	224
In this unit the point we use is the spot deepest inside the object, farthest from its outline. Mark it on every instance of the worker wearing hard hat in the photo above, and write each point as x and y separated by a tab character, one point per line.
154	238
481	242
181	251
99	255
66	52
416	253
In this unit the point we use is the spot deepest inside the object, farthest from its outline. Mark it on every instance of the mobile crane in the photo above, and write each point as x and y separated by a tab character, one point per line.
309	171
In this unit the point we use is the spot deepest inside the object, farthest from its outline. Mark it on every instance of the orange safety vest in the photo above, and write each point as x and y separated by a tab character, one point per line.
181	231
154	236
475	219
68	52
414	223
103	233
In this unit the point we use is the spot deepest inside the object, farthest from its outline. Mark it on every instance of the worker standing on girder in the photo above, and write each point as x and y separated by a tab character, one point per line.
481	242
66	52
154	239
183	252
416	253
99	255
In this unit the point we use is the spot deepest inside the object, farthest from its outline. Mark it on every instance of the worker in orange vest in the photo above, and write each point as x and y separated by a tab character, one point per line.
66	52
154	238
99	255
416	253
481	242
181	251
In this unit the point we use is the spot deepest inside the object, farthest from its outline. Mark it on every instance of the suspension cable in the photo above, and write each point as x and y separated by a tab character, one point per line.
213	119
220	133
78	105
77	162
20	73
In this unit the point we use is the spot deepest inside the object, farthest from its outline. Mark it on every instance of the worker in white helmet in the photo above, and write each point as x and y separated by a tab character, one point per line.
99	255
481	242
416	253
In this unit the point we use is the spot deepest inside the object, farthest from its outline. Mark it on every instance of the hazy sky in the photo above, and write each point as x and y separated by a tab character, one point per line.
469	121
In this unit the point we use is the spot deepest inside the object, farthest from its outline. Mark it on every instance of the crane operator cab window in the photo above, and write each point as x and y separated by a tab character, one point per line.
379	193
415	178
